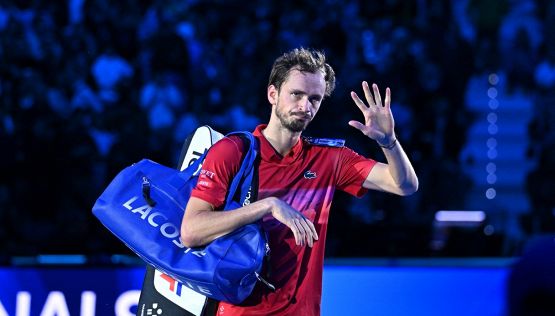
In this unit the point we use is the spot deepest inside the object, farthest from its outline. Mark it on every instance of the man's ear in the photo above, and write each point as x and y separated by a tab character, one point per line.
272	94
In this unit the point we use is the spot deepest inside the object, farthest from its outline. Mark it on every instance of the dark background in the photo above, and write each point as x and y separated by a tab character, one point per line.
89	87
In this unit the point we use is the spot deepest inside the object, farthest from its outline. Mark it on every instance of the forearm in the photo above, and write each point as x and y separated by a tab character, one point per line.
201	224
400	169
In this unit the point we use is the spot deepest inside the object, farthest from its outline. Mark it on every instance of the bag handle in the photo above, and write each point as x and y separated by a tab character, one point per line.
146	192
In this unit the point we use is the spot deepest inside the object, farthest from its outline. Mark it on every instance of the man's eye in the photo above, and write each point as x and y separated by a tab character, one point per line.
315	101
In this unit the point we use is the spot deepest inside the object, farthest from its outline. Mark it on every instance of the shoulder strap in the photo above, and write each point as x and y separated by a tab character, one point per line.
241	181
244	186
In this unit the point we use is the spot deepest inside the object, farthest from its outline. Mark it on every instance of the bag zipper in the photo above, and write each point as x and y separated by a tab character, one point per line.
268	284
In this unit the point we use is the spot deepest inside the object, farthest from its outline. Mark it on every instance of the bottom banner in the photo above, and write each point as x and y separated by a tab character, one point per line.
70	291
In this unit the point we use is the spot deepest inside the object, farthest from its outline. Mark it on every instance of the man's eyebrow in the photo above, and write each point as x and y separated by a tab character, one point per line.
297	91
312	96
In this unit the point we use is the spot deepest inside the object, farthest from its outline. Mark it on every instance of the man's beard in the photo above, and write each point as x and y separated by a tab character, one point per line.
293	124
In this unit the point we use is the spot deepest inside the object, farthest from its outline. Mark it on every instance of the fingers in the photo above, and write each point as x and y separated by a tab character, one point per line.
309	231
296	229
359	102
368	94
377	95
387	98
303	235
304	231
374	100
312	229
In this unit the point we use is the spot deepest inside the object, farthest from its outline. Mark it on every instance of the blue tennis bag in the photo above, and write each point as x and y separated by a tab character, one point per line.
144	206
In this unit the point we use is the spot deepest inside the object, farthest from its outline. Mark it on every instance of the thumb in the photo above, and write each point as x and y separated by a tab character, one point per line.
370	132
358	125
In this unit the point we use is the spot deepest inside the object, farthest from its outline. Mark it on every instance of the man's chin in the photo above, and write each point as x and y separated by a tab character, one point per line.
297	126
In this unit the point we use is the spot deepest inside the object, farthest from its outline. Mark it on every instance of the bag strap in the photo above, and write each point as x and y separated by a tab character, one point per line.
245	182
249	189
242	181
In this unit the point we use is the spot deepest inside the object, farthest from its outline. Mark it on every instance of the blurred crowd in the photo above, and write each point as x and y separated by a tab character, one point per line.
89	87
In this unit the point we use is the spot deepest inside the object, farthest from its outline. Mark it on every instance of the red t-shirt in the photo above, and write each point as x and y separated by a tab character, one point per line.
306	179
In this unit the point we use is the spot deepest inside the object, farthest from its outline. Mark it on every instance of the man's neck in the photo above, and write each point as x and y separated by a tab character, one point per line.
281	138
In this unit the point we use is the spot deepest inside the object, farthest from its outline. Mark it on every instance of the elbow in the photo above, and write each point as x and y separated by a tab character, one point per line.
410	188
188	237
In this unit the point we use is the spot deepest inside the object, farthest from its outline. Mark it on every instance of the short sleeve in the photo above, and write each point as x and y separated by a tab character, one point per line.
352	170
221	164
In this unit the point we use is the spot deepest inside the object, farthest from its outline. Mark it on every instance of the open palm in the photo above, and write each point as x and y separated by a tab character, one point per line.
378	119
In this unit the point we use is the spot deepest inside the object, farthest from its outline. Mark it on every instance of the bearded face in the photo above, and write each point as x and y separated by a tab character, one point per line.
295	121
298	99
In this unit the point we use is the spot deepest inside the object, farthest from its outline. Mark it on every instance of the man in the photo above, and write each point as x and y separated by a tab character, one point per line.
297	180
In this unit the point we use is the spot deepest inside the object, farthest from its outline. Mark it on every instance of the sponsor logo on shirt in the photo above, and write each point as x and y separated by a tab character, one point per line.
207	173
204	183
309	174
206	178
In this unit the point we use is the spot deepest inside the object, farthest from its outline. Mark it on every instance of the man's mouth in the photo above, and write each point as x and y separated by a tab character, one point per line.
301	116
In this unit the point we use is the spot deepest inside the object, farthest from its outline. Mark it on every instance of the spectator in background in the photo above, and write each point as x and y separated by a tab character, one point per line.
48	51
520	33
109	70
160	98
541	181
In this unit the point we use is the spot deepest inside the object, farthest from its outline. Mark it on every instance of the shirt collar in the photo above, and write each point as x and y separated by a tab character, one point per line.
268	153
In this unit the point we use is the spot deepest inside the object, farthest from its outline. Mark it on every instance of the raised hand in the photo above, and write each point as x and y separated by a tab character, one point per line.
303	229
378	119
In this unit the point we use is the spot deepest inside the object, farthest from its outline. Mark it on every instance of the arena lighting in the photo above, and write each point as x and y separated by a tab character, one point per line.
61	259
460	216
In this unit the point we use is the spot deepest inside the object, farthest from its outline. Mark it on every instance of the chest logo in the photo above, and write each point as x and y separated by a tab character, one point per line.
309	174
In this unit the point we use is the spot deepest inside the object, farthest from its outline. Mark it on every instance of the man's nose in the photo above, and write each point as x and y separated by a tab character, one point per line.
304	104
